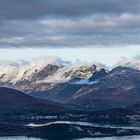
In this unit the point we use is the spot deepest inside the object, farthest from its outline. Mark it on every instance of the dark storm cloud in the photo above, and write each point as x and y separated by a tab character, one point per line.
18	9
69	23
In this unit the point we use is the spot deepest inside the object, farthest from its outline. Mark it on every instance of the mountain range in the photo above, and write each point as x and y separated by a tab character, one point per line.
46	99
85	86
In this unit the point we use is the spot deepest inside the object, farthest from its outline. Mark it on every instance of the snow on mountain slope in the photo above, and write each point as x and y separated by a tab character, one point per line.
46	70
66	71
71	71
13	73
44	73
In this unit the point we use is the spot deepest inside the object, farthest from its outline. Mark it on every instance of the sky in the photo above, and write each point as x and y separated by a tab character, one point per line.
90	30
108	56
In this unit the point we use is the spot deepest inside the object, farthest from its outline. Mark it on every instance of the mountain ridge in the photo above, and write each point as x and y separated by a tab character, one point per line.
13	102
88	86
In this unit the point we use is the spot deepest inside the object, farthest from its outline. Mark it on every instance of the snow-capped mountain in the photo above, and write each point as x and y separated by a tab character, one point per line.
82	84
42	74
119	87
12	73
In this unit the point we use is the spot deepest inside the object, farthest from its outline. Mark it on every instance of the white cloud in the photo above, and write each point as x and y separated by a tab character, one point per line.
12	40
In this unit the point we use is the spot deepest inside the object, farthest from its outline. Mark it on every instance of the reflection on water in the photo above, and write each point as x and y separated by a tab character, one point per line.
114	138
105	138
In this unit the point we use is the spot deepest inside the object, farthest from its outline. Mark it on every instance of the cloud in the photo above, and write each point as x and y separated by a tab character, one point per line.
132	62
27	9
12	40
69	23
137	56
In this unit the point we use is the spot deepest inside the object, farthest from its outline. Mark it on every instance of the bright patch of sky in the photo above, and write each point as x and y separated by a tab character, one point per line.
106	55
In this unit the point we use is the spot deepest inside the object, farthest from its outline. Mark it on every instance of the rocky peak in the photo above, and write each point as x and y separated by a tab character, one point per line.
45	72
98	75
